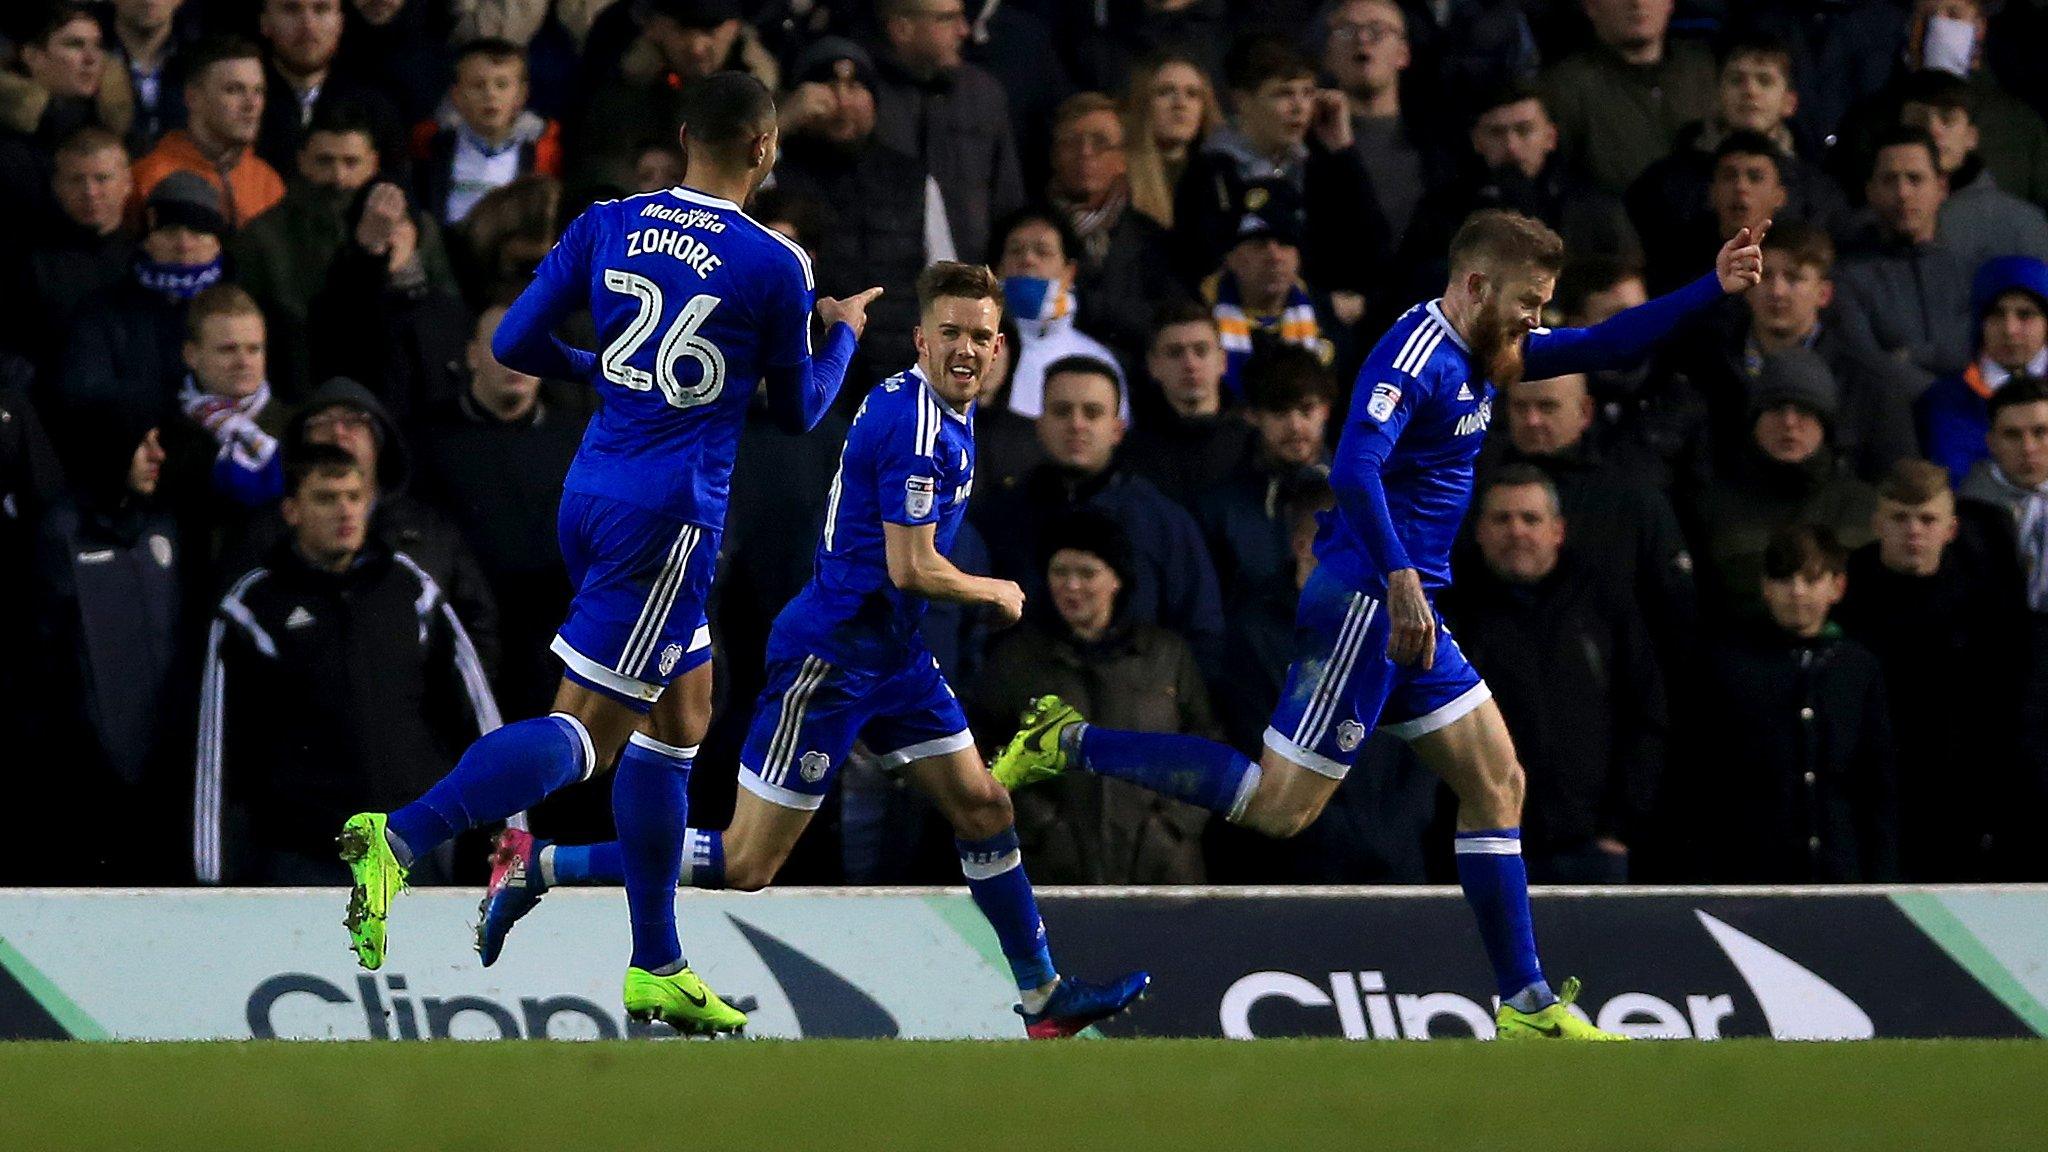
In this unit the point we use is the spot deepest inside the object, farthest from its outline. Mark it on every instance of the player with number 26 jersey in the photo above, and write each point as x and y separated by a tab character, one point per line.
695	304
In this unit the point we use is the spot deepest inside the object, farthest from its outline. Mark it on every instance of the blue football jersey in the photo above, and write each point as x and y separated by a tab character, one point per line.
694	302
908	459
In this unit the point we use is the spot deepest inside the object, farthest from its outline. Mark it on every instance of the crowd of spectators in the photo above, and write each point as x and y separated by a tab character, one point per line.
277	533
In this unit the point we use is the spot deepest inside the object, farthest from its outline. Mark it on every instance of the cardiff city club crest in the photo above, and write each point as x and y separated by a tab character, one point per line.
813	766
669	656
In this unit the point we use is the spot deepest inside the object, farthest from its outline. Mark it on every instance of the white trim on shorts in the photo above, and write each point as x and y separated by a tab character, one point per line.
902	757
1467	701
602	676
776	794
1315	762
661	599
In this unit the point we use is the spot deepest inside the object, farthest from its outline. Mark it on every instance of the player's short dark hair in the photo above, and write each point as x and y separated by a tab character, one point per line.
89	140
342	117
951	278
1522	475
1758	46
1283	377
1906	136
1082	364
1070	242
726	110
1498	238
1801	245
1811	549
53	18
2019	390
1914	482
1257	60
1585	277
200	59
492	49
309	461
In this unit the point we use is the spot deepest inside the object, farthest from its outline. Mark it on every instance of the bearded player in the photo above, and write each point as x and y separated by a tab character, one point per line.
1370	648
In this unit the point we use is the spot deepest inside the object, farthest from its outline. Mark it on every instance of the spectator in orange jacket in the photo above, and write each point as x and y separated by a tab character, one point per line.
224	94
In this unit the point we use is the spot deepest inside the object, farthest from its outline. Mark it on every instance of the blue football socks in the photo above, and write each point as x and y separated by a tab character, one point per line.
505	772
1496	884
1189	768
650	804
995	875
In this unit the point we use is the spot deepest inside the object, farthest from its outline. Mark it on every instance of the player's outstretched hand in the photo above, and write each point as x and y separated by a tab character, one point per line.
851	311
1008	601
1741	262
1411	630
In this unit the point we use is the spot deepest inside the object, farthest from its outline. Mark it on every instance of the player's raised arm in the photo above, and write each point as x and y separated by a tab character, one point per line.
526	340
1626	337
801	390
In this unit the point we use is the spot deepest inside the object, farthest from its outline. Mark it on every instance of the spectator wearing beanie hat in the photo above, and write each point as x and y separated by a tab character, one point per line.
2009	301
1785	472
1084	828
127	343
886	218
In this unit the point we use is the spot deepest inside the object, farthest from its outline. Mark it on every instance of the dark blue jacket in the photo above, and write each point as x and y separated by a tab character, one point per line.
1954	414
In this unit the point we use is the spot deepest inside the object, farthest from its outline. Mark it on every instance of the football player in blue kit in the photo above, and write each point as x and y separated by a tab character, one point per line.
695	305
847	661
1370	649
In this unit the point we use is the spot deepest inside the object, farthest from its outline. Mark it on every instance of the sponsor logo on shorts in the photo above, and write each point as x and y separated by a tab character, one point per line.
1349	735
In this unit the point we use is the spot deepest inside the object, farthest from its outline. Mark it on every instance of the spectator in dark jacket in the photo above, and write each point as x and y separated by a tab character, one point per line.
63	87
1622	526
125	344
1748	185
494	459
950	115
2009	300
88	247
1260	296
1794	765
337	678
1914	289
1796	307
1569	659
1173	583
225	466
402	48
1123	271
1979	219
883	216
1282	128
30	481
1784	474
486	138
301	39
143	40
1621	102
1288	395
109	607
1367	56
342	412
1084	828
1185	439
381	319
1947	620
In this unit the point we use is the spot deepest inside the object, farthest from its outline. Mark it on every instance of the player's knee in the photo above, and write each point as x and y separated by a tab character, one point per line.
1278	821
985	813
750	871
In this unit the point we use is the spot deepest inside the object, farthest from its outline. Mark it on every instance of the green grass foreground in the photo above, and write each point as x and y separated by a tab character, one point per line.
1122	1095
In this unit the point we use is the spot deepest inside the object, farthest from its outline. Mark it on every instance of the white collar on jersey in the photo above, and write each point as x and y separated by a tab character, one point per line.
696	197
917	371
1436	309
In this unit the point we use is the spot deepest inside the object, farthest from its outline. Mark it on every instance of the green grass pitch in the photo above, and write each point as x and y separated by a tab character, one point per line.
1115	1095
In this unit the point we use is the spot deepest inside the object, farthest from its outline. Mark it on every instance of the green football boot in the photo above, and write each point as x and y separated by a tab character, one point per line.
1034	753
1553	1023
682	1001
379	878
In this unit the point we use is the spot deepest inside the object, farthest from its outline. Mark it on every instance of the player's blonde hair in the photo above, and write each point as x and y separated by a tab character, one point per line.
960	281
1497	238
